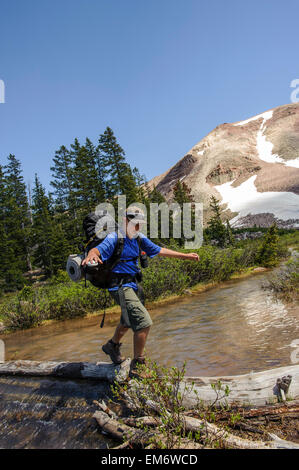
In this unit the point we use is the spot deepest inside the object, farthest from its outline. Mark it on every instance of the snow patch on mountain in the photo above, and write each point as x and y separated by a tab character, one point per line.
245	199
267	115
264	147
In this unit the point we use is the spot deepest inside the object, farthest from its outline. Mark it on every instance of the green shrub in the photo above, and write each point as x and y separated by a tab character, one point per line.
61	299
285	283
22	315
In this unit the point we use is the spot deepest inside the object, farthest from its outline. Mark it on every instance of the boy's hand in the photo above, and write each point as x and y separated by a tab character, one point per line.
193	256
92	257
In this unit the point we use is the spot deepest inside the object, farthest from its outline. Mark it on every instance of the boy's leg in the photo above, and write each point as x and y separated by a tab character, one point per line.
140	338
120	331
136	317
112	347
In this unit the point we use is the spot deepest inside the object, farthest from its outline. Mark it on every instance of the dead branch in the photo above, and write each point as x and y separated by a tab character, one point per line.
229	440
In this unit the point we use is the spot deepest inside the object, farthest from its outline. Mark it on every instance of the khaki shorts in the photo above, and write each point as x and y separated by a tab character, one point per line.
136	315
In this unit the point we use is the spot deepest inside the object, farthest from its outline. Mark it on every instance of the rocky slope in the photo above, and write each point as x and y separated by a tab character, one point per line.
251	166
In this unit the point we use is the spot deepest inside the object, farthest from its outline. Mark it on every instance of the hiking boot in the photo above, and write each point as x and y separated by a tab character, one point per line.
135	372
113	350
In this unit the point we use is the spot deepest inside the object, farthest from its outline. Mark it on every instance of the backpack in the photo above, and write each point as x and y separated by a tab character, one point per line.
101	275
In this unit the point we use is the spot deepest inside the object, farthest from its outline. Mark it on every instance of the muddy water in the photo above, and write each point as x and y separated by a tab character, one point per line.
232	329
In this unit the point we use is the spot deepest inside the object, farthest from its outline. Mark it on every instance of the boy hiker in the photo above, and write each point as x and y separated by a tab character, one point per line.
124	286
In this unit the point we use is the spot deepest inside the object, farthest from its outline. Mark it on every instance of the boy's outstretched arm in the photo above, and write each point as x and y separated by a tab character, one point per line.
176	254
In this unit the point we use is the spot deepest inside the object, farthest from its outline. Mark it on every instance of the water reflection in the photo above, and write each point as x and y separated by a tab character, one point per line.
228	330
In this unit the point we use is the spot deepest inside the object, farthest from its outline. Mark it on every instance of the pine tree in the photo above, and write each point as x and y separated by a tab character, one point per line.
267	254
9	269
18	217
41	228
141	189
217	230
63	181
15	226
182	195
156	196
64	194
119	178
87	181
230	239
48	237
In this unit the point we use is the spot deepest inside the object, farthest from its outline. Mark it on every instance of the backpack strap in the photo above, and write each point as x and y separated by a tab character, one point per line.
117	253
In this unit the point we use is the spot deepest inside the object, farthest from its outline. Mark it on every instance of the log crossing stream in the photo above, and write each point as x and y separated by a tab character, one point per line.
229	330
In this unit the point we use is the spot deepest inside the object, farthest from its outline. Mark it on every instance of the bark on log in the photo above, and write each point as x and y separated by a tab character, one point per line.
258	389
231	441
71	370
212	432
270	410
121	431
144	420
115	429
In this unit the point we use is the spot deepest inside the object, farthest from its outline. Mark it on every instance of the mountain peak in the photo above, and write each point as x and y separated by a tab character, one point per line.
251	166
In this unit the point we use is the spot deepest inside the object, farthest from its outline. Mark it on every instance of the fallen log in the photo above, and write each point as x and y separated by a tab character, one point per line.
122	431
70	370
210	432
270	410
117	430
141	421
229	440
257	389
248	427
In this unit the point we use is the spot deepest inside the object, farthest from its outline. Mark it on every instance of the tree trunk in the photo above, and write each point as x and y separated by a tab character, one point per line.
257	389
71	370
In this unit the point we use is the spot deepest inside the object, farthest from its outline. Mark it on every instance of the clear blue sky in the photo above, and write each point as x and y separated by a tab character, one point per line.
161	73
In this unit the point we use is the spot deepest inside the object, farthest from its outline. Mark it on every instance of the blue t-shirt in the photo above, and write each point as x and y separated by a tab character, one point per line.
130	250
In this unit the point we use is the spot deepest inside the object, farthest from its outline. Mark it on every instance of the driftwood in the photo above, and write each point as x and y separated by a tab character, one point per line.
102	405
279	409
231	441
121	431
113	428
214	433
143	420
257	389
211	432
130	430
70	370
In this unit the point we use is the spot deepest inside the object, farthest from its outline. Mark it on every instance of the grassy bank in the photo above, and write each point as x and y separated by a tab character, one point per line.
165	278
285	283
